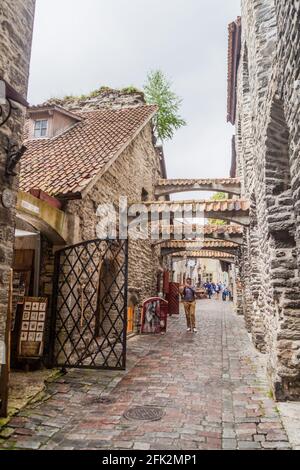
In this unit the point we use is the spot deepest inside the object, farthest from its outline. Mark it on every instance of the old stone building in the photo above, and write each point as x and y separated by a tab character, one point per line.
16	25
80	157
264	105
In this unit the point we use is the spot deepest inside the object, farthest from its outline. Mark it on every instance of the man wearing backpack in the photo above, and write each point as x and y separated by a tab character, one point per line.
189	302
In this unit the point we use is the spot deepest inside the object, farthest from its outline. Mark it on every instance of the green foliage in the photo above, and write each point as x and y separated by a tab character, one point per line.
130	90
218	197
158	91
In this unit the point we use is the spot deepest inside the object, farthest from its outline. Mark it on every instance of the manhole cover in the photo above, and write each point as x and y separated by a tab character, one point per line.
103	400
144	413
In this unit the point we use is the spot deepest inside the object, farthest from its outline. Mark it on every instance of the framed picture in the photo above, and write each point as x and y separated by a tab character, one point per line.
34	316
26	316
27	306
24	336
25	326
42	316
40	326
32	326
31	336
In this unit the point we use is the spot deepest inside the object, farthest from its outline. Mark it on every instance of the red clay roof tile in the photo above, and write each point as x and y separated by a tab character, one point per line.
67	163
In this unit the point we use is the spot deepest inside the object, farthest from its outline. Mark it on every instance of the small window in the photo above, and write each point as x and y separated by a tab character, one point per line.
41	128
145	195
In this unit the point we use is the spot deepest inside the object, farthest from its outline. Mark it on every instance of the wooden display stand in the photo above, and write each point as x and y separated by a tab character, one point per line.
31	340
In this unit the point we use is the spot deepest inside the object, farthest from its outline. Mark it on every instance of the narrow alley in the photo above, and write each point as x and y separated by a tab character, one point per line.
209	391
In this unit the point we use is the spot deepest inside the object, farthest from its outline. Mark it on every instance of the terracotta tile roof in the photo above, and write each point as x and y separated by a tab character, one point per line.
225	205
46	107
200	182
204	254
68	163
223	229
208	229
199	244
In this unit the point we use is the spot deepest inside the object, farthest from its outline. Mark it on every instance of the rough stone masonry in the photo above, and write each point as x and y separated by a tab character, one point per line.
268	162
16	25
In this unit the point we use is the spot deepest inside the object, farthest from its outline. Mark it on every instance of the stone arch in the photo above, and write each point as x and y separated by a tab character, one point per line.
282	330
278	191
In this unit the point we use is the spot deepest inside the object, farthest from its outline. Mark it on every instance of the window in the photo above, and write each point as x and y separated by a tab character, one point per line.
145	195
208	277
41	128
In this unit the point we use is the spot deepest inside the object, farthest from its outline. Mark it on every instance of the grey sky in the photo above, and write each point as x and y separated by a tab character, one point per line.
81	45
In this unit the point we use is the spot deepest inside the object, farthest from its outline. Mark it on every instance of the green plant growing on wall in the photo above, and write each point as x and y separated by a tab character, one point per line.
130	90
158	91
218	197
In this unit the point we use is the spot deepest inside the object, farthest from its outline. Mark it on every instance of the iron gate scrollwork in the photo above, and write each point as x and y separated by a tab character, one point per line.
90	305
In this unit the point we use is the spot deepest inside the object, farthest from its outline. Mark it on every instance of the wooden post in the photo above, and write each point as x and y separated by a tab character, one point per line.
5	368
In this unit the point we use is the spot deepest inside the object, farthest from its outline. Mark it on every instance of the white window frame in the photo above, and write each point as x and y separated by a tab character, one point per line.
40	128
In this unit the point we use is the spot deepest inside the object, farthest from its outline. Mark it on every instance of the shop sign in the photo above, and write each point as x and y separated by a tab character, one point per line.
30	207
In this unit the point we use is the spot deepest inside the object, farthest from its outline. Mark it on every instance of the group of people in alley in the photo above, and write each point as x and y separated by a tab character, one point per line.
213	289
189	296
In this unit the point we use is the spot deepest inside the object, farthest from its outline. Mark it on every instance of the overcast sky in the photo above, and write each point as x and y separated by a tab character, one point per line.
80	45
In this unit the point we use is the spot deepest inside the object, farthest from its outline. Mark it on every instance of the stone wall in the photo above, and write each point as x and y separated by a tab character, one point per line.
136	170
102	98
268	149
16	25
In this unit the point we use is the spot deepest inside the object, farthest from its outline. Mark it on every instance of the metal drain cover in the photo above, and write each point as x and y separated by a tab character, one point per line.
144	413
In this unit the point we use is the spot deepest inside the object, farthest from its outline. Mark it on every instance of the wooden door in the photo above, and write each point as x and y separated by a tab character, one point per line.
130	320
173	298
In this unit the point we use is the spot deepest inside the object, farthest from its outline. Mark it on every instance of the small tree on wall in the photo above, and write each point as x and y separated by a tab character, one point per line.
158	90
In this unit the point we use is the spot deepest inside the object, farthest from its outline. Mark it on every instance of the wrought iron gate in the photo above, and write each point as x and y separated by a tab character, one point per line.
90	305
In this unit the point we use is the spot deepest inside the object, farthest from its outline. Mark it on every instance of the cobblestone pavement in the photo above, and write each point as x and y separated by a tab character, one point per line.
211	386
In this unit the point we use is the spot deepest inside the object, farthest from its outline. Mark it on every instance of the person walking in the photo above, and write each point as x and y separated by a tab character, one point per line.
209	290
218	290
226	293
189	302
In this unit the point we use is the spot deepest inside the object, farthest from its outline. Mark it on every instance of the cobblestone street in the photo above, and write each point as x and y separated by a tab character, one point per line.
211	385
